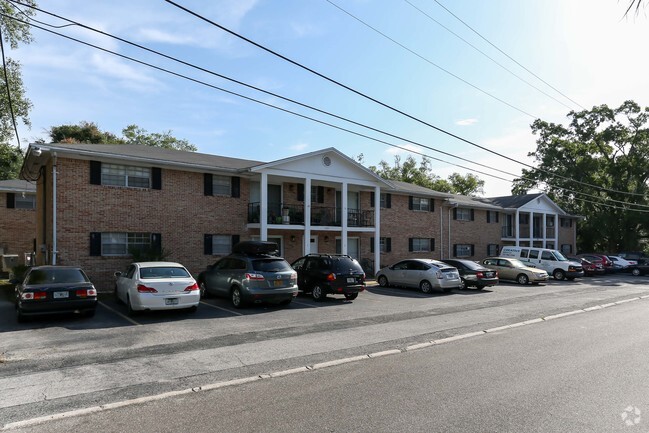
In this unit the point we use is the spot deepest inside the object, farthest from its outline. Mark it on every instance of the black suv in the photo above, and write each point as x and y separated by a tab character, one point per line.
321	274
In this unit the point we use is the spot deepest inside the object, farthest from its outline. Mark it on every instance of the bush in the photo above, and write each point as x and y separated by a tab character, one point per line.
149	254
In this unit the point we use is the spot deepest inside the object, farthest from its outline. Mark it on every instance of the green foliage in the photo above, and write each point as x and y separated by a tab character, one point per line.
11	159
607	147
148	254
422	175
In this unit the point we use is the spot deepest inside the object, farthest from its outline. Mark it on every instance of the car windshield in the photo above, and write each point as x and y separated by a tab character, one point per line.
271	265
163	272
51	276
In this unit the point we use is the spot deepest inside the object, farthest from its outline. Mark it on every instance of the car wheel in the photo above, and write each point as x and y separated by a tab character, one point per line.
558	274
463	285
383	281
236	298
129	307
203	290
351	296
426	287
635	272
318	294
522	279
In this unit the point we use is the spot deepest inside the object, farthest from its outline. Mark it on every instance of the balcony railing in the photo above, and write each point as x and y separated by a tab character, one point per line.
279	213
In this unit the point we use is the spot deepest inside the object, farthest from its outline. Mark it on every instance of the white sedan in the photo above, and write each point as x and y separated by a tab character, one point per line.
156	286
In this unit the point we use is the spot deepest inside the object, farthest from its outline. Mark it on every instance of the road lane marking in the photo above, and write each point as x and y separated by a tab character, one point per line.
123	316
221	308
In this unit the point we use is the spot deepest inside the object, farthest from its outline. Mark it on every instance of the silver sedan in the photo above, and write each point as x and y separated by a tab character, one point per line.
425	274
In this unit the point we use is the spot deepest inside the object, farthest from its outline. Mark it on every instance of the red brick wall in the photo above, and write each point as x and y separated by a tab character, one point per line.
17	229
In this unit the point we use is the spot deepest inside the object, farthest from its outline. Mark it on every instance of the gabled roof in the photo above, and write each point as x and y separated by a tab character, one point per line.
17	185
513	201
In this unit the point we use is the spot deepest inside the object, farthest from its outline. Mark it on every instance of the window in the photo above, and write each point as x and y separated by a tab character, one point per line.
463	214
524	253
463	250
317	194
221	185
422	204
547	255
124	175
385	245
534	254
25	201
524	219
566	248
565	222
386	200
421	244
492	216
121	244
221	245
492	249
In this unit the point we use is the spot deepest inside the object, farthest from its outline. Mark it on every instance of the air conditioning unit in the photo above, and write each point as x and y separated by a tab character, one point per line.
9	261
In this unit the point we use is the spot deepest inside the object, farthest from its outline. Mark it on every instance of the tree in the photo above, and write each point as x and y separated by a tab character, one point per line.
89	132
11	159
596	166
423	175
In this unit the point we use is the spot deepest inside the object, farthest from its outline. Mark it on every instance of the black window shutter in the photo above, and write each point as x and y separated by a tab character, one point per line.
410	244
432	204
570	223
95	244
488	216
371	199
235	239
11	200
236	187
454	213
388	245
388	201
410	204
207	184
300	192
472	215
371	245
156	178
95	173
454	250
320	194
497	216
207	245
472	250
432	244
156	242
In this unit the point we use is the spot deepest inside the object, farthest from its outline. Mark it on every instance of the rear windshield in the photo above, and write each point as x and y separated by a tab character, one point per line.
340	265
52	276
271	265
163	272
472	265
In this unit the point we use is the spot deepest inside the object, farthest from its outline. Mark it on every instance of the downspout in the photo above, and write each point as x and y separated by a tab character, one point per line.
54	246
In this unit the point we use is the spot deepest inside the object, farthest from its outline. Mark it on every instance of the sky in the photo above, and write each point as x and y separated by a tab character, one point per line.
428	70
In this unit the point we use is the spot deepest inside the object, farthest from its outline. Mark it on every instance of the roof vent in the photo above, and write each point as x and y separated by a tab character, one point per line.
326	161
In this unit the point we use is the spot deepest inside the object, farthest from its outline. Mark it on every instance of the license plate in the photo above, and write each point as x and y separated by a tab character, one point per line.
278	283
61	295
171	301
351	280
489	274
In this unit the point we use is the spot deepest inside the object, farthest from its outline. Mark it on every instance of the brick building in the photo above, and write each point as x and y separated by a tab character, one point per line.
96	203
17	219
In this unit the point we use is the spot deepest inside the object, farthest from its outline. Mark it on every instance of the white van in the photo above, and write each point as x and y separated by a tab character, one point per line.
552	261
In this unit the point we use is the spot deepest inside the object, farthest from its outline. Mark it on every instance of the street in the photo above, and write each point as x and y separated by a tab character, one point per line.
577	372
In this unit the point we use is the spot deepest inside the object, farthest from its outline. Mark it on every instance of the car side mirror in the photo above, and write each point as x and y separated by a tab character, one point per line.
14	281
118	274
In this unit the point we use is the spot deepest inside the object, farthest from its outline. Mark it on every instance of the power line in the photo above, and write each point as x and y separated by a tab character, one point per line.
383	104
486	55
431	62
307	106
509	57
4	68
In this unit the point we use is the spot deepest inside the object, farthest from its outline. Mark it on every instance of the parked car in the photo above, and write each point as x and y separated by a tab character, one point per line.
624	264
320	274
589	267
156	286
552	261
515	270
54	289
252	273
473	274
425	274
606	263
640	269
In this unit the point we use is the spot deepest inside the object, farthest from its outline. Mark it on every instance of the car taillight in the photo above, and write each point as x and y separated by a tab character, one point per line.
145	289
26	296
363	278
256	277
479	274
439	274
331	277
294	278
84	293
191	288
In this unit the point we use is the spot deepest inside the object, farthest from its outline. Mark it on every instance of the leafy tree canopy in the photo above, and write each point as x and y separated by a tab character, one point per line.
605	147
422	174
11	159
88	132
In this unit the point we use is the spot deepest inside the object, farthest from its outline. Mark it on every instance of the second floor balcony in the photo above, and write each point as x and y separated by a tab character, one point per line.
292	214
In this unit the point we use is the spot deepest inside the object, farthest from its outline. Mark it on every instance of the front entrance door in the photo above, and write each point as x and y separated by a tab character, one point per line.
314	245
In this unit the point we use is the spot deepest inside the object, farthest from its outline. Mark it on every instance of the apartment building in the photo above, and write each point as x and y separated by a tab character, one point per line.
97	203
17	220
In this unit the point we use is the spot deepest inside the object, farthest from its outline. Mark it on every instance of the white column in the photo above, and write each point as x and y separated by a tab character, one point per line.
263	207
307	215
517	229
377	229
531	229
544	229
344	218
556	232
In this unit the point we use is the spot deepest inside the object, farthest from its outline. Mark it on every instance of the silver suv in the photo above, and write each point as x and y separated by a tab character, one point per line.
251	274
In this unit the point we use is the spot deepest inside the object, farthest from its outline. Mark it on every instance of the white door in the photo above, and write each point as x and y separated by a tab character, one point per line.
314	245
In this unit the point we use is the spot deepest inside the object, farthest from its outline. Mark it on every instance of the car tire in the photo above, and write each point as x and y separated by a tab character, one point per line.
558	274
318	294
351	296
522	279
203	290
383	281
236	298
463	285
635	272
426	287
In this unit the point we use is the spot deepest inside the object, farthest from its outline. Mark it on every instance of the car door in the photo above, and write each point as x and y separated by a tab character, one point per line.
415	273
217	278
125	282
300	267
506	270
399	273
